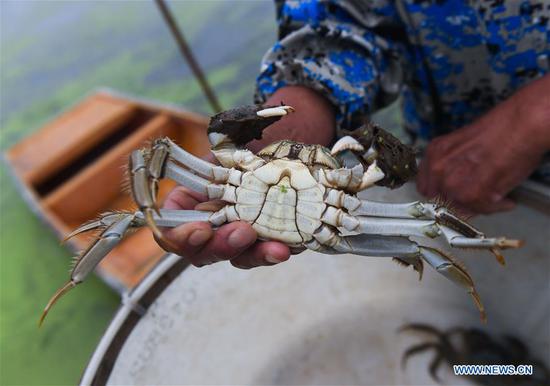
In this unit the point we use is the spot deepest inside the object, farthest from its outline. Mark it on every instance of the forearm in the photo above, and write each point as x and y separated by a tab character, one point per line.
335	55
312	122
523	118
532	111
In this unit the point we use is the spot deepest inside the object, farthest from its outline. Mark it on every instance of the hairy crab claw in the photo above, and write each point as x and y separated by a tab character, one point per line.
302	195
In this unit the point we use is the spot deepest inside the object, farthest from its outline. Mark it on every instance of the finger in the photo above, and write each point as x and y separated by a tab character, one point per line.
228	242
183	198
187	239
262	253
211	206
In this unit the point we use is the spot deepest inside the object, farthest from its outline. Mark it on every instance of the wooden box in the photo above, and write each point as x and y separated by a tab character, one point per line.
73	169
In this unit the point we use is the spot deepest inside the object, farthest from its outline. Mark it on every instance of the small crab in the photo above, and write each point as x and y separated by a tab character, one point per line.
472	346
301	195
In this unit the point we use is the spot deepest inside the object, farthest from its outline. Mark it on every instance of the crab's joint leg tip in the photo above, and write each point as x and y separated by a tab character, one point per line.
150	220
498	256
56	296
483	317
157	211
81	229
69	236
508	243
479	305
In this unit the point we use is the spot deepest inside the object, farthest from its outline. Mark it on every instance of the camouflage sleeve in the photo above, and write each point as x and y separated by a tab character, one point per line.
345	50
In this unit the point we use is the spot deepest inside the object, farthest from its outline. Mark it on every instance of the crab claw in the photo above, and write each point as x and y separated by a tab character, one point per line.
371	143
243	124
86	262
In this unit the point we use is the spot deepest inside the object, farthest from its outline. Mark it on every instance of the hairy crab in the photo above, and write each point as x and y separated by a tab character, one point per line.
472	346
302	195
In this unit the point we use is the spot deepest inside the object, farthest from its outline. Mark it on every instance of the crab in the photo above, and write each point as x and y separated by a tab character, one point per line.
302	195
466	346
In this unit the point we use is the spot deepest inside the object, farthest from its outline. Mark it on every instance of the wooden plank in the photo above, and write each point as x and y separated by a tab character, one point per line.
71	176
59	142
92	190
97	189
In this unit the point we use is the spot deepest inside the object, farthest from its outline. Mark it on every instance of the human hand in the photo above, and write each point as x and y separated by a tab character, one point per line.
477	166
235	242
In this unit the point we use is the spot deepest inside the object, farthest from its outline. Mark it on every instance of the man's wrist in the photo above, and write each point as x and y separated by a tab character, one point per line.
523	119
312	122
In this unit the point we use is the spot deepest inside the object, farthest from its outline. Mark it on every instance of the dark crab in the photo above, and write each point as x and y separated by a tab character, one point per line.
472	346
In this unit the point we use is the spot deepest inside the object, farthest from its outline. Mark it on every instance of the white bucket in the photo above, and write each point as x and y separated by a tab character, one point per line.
321	319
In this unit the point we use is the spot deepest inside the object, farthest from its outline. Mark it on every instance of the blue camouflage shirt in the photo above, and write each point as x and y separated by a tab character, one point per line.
449	60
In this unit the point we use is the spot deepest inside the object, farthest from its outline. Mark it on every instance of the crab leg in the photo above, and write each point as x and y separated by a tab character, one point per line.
155	165
104	221
354	206
96	251
199	184
145	177
447	267
140	185
415	209
367	245
212	172
113	227
429	228
171	218
418	210
462	235
327	241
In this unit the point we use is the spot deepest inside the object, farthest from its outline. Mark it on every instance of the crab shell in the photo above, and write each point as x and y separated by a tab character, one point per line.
282	199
